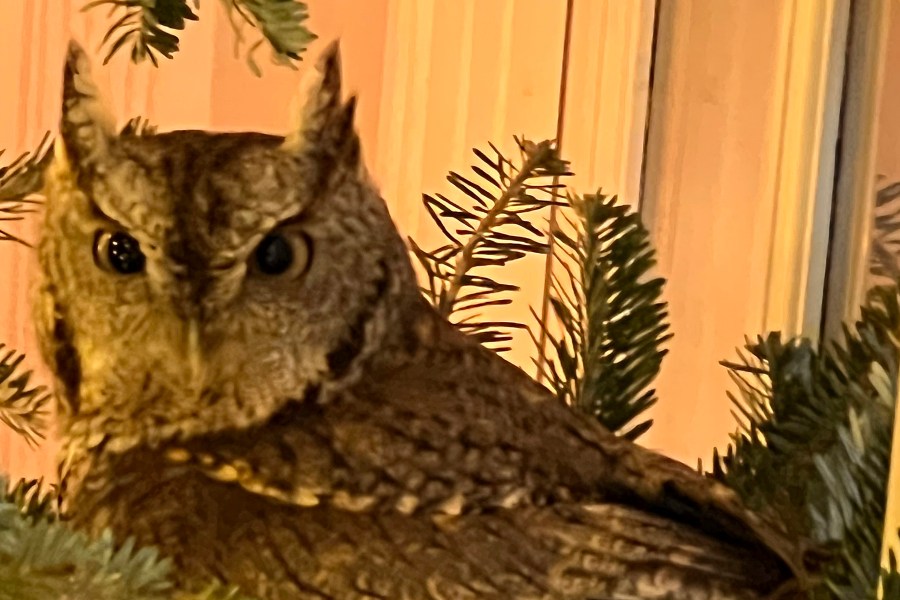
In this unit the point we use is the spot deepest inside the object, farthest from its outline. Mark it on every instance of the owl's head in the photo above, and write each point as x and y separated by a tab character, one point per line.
193	281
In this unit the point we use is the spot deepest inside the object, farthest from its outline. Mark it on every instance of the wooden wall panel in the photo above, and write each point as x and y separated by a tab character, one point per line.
457	78
706	201
736	188
810	86
607	95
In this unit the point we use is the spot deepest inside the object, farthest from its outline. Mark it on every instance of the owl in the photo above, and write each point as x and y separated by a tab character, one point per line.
251	381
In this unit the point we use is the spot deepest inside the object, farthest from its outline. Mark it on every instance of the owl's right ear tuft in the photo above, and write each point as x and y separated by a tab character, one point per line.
86	126
325	124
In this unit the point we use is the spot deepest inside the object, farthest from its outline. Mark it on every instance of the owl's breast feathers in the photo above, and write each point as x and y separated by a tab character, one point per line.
454	465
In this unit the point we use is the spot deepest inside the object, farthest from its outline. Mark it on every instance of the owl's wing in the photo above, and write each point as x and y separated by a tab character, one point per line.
458	430
274	550
375	453
572	451
563	551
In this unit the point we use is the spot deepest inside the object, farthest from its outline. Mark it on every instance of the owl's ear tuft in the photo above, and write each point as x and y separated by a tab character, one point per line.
324	126
86	126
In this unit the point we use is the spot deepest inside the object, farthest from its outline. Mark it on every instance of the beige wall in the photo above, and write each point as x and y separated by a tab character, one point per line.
437	77
738	181
887	157
709	203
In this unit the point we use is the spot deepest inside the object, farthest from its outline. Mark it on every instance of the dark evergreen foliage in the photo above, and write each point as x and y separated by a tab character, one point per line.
20	180
150	27
23	407
488	227
814	444
614	322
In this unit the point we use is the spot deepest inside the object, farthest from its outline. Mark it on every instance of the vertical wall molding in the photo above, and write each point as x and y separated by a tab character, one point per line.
608	88
871	37
603	108
737	189
854	197
813	72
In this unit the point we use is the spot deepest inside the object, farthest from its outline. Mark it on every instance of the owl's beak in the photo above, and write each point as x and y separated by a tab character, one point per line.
194	351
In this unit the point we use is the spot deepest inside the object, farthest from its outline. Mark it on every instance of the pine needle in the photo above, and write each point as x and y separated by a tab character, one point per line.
485	228
281	25
41	558
22	408
20	181
147	27
150	27
613	319
814	444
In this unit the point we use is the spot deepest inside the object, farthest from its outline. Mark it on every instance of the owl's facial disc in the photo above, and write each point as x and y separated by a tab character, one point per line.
197	281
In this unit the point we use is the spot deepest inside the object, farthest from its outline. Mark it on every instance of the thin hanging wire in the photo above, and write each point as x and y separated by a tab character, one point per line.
560	121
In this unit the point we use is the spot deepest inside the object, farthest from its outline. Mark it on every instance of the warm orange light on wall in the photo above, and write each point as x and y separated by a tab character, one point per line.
437	77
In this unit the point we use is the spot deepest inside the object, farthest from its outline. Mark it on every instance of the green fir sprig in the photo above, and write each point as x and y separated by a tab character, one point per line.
614	322
488	227
23	407
19	182
814	444
151	28
147	27
42	558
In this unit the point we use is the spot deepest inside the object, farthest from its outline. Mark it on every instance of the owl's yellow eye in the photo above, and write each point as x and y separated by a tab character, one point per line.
283	254
118	252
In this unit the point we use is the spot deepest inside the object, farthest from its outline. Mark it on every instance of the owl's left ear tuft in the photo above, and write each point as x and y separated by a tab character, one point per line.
325	125
86	127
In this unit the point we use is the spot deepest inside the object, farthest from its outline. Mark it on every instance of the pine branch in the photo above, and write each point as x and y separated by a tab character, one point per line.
32	498
149	27
814	442
281	24
42	559
613	318
536	156
19	182
890	578
488	227
22	408
884	266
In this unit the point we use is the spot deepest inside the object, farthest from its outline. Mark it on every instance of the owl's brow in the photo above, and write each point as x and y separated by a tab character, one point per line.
297	218
286	220
98	212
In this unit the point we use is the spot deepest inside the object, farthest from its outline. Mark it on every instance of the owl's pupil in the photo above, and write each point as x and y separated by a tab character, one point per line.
274	255
124	254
